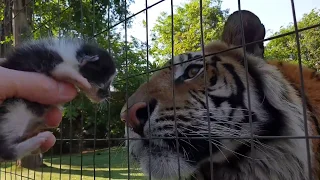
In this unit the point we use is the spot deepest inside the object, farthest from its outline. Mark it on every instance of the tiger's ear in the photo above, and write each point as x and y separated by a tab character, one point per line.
254	30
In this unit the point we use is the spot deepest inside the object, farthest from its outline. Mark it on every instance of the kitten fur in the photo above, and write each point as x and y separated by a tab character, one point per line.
76	61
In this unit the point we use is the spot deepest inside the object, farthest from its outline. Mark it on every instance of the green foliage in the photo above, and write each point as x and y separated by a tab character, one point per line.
77	17
8	39
285	48
187	28
2	11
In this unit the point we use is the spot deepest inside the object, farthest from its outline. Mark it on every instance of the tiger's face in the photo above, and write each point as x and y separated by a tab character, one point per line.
185	114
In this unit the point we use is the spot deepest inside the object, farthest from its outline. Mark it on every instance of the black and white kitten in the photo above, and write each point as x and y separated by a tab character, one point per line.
81	63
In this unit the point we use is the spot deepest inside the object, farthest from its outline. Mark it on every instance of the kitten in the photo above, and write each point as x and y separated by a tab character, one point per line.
76	61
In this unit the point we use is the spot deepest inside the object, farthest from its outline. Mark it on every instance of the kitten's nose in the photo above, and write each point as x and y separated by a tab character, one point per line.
130	115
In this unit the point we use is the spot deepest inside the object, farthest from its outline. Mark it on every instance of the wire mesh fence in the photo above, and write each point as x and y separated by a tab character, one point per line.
92	142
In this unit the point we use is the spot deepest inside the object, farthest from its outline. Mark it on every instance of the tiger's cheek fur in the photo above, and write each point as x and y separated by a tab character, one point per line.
159	87
311	79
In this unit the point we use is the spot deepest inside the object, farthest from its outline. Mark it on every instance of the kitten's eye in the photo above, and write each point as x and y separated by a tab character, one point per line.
193	72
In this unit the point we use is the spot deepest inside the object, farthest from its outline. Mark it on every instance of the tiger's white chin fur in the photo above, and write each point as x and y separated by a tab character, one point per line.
164	166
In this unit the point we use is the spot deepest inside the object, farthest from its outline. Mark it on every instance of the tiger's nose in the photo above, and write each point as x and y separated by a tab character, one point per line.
130	117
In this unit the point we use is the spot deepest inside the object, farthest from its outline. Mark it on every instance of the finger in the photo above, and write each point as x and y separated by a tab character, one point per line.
48	144
34	87
53	117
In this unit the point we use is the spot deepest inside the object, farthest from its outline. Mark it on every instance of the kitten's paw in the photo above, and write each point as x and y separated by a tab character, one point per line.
32	145
43	136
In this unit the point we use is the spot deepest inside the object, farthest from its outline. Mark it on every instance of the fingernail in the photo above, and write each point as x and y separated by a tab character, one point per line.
66	91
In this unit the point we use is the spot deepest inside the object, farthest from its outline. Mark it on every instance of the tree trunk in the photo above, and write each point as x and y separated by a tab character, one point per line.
21	22
6	28
21	28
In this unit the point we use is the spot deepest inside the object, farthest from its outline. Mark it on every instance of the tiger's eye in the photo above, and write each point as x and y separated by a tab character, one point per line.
192	72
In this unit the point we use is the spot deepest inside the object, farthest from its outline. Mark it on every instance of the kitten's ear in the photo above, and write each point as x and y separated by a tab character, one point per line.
86	59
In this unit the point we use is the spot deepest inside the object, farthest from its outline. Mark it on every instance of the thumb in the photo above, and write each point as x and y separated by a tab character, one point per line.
34	87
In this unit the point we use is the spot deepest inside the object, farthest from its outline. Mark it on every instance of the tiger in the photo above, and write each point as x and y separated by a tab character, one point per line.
193	119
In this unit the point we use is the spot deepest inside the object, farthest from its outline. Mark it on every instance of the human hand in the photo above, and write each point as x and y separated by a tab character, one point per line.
39	88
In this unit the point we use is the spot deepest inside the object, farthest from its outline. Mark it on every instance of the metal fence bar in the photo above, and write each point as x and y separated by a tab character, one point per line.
82	98
173	90
304	107
95	113
109	103
225	137
33	18
253	152
147	71
127	95
206	90
61	124
5	163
